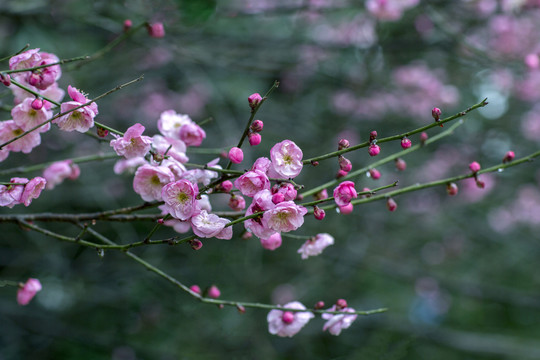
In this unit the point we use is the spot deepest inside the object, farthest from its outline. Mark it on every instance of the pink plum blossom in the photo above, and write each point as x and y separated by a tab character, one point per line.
262	164
9	130
179	197
26	117
32	190
81	119
285	216
28	291
149	181
251	182
287	189
156	30
287	159
133	143
207	225
175	148
272	243
288	323
236	155
192	134
45	77
58	171
315	245
344	193
10	195
338	322
262	201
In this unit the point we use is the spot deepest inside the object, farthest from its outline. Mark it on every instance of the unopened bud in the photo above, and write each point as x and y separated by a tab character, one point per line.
374	174
347	209
452	189
241	309
287	317
246	235
341	174
213	292
236	155
237	203
474	166
318	213
319	305
225	186
344	163
101	132
254	100
406	143
480	184
372	135
160	221
278	198
368	190
509	156
127	24
436	113
5	79
401	165
195	289
314	163
341	304
374	150
254	139
343	144
196	244
257	126
156	30
37	104
391	204
423	137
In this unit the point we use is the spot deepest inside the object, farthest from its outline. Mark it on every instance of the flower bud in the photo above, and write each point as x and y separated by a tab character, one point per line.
254	139
160	221
287	317
156	30
196	244
101	132
436	113
341	304
347	209
406	143
401	165
480	184
391	204
195	289
237	203
225	186
314	163
257	126
246	235
366	190
341	174
34	79
241	309
318	213
452	189
5	79
319	305
532	61
372	136
423	137
509	156
323	194
343	144
344	163
127	24
37	104
374	150
236	155
254	100
474	166
374	174
278	197
214	292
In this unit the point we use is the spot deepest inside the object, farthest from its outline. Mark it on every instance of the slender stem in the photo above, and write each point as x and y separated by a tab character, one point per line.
9	283
398	137
67	112
61	62
46	232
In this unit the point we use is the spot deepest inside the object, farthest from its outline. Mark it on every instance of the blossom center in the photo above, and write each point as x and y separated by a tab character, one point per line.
154	180
182	197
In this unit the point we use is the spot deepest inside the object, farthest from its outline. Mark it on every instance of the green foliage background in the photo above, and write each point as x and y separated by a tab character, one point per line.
482	297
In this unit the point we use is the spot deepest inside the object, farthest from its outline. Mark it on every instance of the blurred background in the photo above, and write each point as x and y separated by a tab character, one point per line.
458	274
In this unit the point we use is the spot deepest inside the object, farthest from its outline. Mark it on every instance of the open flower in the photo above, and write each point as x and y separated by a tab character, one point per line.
338	322
288	323
315	245
149	181
81	119
344	193
179	197
210	225
285	216
287	159
133	143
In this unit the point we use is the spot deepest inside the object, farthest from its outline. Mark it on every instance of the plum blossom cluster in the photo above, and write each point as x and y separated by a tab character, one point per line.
289	323
21	191
34	110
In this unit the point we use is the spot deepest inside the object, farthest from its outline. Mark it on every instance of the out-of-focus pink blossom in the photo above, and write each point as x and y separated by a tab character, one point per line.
272	243
452	189
315	245
201	175
374	174
288	323
169	123
133	143
32	190
174	148
149	181
27	292
156	30
391	204
58	171
286	159
389	10
9	130
10	195
344	193
128	165
338	322
179	197
192	134
214	292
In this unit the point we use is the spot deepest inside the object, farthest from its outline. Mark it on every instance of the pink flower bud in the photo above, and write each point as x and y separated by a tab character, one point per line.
127	24
214	292
195	289
27	291
236	155
254	139
37	104
480	184
287	317
374	150
391	204
156	30
452	189
5	79
436	113
237	203
196	244
344	164
34	79
366	189
257	126
254	100
278	197
372	135
314	163
401	165
160	221
509	156
341	304
241	309
272	243
246	235
406	143
343	144
225	186
319	305
423	137
532	61
474	166
318	213
341	174
347	209
102	132
375	174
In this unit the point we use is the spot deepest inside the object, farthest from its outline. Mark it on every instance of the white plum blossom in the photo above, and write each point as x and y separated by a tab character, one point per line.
315	245
338	322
